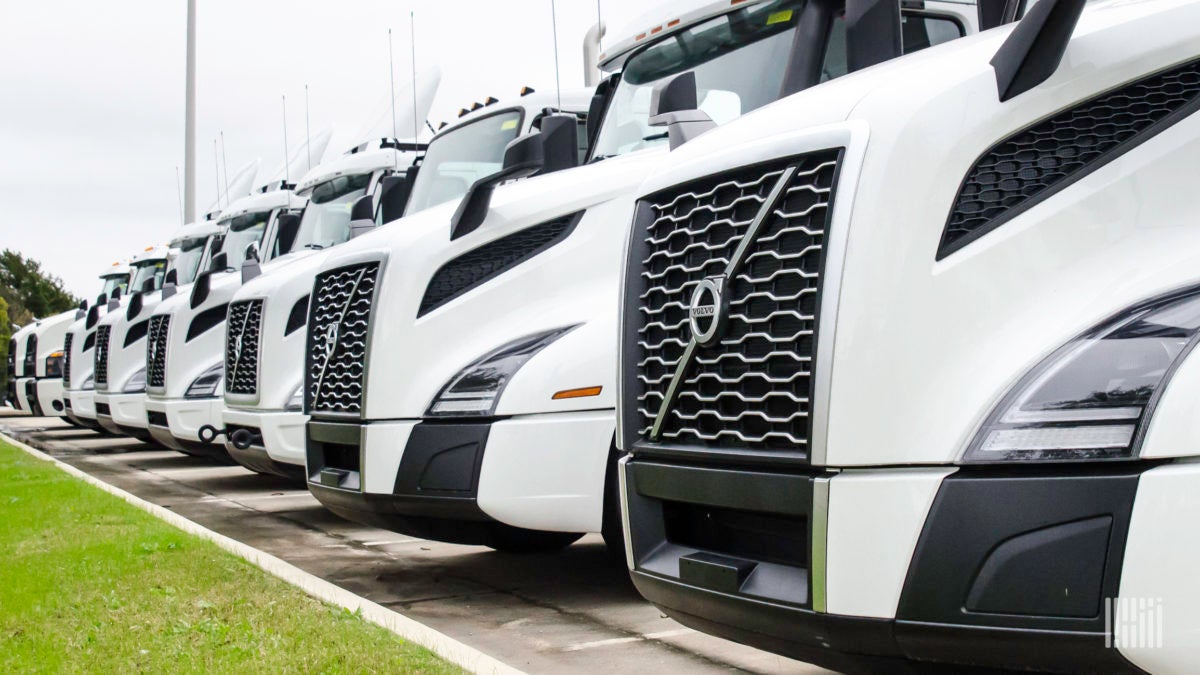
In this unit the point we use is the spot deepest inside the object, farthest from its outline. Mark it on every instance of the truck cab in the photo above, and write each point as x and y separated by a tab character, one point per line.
264	420
40	355
461	370
119	362
931	400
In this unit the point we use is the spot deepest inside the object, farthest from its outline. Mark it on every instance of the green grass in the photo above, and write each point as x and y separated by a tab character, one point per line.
90	583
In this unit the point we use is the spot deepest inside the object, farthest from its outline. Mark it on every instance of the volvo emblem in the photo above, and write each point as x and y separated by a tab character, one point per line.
237	352
706	315
329	340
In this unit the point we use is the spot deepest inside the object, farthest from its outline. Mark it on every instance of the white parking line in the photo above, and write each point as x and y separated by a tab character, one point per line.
625	640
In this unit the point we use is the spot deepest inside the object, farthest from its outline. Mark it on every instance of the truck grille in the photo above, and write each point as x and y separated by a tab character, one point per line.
156	351
12	358
67	359
241	346
751	388
339	319
101	358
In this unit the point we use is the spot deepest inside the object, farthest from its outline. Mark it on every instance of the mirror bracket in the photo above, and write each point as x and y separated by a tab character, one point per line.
673	105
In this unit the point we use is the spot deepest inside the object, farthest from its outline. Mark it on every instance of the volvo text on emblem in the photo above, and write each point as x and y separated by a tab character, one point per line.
706	315
330	339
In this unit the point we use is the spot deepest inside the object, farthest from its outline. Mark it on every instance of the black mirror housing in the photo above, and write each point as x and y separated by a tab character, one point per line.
172	277
560	144
393	198
673	104
288	226
523	156
220	262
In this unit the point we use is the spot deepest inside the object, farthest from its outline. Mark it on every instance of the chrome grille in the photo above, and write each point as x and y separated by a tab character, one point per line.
156	351
242	345
751	388
339	320
66	371
101	356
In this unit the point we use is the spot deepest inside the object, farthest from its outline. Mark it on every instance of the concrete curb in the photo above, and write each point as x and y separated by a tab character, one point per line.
418	633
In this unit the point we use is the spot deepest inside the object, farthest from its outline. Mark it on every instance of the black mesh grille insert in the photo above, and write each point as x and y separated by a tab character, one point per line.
339	320
752	388
66	371
12	358
101	357
241	346
474	267
1041	160
156	351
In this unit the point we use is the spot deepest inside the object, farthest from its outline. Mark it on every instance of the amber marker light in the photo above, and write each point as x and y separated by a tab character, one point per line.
577	393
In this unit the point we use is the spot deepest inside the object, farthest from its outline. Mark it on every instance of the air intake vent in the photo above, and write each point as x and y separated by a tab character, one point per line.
156	351
474	267
66	375
338	324
101	357
241	347
750	388
1031	165
30	364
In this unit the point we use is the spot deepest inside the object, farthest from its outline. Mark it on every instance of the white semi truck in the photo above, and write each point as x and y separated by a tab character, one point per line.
461	369
931	397
37	353
264	420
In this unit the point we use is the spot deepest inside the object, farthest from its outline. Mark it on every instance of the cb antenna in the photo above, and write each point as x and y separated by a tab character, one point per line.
225	167
554	27
287	178
217	170
412	38
392	81
307	132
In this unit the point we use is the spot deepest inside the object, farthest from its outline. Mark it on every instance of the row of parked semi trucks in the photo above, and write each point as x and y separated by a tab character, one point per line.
862	338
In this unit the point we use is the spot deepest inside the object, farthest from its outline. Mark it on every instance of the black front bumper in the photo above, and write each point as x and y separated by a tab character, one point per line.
436	485
1011	570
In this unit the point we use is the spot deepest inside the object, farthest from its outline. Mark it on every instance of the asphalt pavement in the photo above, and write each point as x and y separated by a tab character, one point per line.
574	611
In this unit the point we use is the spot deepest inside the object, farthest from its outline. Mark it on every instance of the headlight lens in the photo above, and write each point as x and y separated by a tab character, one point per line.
475	390
1092	399
54	364
206	385
136	383
89	383
296	401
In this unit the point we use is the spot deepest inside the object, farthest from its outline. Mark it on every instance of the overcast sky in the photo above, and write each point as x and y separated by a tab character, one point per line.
91	118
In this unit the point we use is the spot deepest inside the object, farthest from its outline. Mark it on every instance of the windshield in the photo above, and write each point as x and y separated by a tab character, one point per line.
462	155
739	58
112	283
154	270
243	230
326	219
187	263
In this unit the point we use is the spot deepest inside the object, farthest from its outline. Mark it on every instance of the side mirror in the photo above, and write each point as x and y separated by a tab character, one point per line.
522	157
220	262
560	142
288	226
362	216
135	306
93	316
147	285
200	289
393	198
171	278
82	311
872	33
673	105
115	301
599	105
250	266
101	299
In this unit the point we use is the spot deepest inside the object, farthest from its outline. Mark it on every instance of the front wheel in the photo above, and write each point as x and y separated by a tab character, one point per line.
517	540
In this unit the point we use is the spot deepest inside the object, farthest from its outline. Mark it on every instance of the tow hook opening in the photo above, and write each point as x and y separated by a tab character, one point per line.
242	439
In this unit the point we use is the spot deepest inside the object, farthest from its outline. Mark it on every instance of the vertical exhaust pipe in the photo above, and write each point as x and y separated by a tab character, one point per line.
591	55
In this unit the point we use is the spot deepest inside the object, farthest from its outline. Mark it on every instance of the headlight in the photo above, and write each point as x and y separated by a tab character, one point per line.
475	390
136	383
89	383
206	385
54	364
1093	398
296	401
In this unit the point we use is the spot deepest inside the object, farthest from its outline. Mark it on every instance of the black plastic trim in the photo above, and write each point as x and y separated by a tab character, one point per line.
1035	48
136	332
206	320
298	317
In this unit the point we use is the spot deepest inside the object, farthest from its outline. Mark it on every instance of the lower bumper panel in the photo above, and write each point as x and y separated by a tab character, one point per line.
1010	570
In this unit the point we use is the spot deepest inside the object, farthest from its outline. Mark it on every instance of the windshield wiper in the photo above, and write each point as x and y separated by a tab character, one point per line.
656	137
315	247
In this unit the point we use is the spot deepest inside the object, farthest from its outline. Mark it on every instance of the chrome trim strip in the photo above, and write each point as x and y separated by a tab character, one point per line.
820	543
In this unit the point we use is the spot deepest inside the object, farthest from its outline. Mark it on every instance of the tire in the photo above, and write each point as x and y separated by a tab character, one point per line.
517	540
613	529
